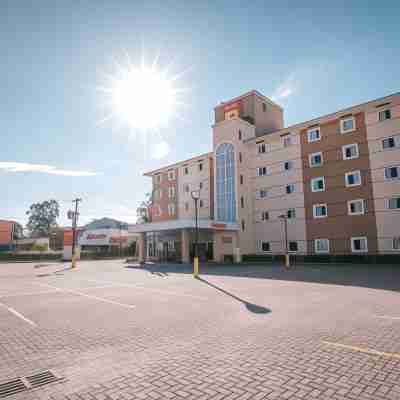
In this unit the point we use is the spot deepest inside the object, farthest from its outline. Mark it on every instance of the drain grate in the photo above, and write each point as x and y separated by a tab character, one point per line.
12	387
42	378
18	385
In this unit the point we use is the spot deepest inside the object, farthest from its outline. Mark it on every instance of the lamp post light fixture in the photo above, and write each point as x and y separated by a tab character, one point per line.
283	217
196	196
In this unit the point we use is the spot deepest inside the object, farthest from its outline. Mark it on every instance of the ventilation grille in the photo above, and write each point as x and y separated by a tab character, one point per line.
12	387
19	385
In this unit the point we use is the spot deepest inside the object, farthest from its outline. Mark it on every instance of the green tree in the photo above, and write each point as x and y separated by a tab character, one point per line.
42	217
143	211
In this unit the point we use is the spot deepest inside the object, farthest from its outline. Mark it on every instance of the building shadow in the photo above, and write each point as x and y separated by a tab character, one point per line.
384	277
254	308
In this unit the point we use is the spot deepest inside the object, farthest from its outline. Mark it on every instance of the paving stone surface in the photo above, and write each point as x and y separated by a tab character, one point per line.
117	331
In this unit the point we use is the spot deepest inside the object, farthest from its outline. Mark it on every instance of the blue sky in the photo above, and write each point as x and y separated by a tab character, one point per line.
313	59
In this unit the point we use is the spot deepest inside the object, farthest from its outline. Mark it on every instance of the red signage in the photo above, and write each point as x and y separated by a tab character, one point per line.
93	236
219	226
118	239
232	106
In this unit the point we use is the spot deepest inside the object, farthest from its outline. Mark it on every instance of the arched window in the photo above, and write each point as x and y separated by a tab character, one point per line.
225	182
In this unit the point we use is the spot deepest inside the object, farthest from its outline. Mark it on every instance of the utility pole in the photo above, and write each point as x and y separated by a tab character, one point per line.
74	225
287	255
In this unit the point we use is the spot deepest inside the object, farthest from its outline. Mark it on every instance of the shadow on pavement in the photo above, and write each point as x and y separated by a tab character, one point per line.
386	277
254	308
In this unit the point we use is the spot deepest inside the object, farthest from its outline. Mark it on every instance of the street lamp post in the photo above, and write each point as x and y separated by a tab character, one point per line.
287	256
196	196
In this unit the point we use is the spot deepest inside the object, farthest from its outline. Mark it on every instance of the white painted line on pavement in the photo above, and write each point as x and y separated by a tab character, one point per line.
387	317
89	296
27	293
161	291
17	314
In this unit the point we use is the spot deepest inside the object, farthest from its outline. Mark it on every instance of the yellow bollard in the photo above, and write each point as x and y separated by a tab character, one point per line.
196	267
73	264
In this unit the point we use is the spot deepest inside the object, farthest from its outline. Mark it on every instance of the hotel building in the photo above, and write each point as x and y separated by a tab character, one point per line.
328	186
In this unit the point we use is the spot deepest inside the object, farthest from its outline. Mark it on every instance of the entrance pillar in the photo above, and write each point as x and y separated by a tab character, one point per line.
237	257
217	247
185	246
142	247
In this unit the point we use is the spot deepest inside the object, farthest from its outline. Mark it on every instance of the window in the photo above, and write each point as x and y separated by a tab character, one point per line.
291	213
265	246
186	206
321	246
171	175
261	148
347	125
318	184
186	188
393	203
290	188
186	171
240	135
265	216
241	179
350	151
262	171
359	244
261	194
242	202
201	185
158	178
243	225
352	178
287	141
225	183
388	143
392	173
384	115
158	194
264	107
320	211
314	134
293	246
200	166
396	243
315	159
356	207
171	209
288	165
240	157
157	211
171	192
201	203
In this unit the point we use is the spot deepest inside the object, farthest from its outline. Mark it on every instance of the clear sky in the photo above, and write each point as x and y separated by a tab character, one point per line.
312	57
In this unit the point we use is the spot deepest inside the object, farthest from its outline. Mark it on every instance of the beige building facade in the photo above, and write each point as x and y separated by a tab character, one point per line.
329	186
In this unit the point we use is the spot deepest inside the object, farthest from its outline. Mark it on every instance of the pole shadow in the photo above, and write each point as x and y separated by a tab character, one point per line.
254	308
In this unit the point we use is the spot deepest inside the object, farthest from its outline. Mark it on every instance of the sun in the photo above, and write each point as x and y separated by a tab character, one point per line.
142	97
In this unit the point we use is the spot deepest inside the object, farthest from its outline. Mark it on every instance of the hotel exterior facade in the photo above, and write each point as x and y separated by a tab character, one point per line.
328	186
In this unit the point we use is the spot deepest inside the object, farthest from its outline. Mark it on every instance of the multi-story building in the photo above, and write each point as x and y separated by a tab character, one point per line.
10	232
330	185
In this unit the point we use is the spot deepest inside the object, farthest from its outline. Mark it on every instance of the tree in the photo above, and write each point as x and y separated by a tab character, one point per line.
42	217
143	211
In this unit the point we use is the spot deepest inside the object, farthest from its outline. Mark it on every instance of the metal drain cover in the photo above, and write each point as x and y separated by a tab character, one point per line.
12	387
42	378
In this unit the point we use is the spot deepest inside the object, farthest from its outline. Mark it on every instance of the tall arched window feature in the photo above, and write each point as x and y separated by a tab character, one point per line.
225	181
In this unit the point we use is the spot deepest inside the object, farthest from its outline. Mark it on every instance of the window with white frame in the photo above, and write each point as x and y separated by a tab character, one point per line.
264	246
293	246
261	194
384	115
262	148
320	210
321	246
396	243
287	141
291	213
314	134
350	151
315	159
186	170
393	203
171	192
171	209
264	216
356	207
200	166
288	165
158	178
290	188
359	244
318	184
262	171
347	125
392	173
158	194
201	185
389	143
186	188
157	211
352	178
171	175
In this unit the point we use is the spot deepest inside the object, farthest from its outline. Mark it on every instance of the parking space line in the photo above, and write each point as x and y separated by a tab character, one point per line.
161	291
388	317
363	350
17	314
27	293
117	303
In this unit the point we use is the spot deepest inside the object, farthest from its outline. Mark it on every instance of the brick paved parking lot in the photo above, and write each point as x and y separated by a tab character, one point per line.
248	332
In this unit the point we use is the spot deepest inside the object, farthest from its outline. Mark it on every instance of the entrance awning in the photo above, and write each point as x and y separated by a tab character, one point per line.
183	224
